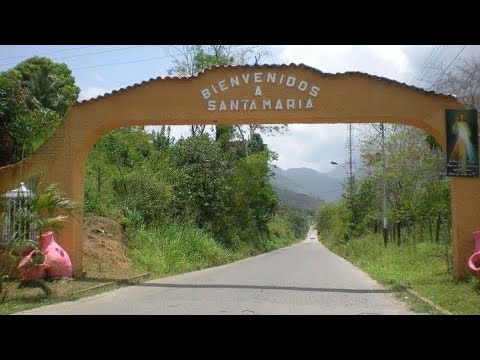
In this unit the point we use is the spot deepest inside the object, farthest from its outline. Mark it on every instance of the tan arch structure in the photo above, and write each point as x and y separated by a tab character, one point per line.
279	94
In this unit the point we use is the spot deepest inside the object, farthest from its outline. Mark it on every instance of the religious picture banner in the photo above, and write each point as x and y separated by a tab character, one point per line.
462	143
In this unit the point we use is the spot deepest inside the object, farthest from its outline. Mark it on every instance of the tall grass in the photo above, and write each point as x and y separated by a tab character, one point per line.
178	247
420	266
174	248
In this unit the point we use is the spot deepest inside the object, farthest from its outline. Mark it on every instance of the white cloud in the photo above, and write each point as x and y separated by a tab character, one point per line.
384	60
310	145
393	54
91	92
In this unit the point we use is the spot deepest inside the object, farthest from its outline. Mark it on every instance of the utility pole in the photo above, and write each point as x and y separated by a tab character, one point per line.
384	188
350	186
350	161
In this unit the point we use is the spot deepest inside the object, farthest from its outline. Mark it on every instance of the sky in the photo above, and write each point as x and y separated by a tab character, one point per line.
99	69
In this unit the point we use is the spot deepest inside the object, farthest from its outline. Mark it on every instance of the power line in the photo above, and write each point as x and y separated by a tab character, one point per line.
424	66
48	53
434	62
120	63
102	52
87	54
430	64
444	71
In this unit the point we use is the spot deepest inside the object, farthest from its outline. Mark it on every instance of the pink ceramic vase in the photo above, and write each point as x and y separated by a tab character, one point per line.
29	270
58	263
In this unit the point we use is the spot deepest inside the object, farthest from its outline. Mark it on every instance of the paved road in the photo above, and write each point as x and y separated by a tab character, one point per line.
304	278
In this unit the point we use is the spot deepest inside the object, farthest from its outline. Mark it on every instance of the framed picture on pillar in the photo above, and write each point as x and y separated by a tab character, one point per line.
462	143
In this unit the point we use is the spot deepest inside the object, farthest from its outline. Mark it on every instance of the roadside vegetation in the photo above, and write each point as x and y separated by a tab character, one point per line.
418	252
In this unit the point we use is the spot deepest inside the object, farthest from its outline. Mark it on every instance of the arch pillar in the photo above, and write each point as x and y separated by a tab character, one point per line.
465	220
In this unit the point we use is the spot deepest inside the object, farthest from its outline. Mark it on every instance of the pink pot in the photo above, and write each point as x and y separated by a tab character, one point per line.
58	263
30	271
474	260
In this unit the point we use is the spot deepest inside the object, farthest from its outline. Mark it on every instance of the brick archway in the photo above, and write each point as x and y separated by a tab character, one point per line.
242	95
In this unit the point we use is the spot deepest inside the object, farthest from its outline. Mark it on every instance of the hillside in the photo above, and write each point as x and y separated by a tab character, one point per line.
298	201
281	181
308	182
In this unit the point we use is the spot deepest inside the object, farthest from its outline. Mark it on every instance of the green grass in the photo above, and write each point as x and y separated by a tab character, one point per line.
420	266
175	248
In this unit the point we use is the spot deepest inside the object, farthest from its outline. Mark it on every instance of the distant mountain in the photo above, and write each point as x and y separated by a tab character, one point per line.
298	201
282	181
338	173
307	182
317	184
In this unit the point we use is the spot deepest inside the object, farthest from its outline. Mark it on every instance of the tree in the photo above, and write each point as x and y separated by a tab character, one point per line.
162	139
200	181
34	96
462	80
13	106
192	59
44	89
22	128
50	84
414	175
248	132
255	202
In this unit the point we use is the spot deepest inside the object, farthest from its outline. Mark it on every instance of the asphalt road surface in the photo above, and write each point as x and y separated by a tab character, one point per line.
305	278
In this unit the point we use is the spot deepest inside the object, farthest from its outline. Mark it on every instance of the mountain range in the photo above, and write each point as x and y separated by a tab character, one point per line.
305	188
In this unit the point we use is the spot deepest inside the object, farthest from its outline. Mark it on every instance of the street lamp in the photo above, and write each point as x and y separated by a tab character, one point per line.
350	175
335	163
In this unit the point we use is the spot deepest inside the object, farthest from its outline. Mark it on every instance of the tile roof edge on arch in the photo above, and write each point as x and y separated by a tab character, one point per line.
270	66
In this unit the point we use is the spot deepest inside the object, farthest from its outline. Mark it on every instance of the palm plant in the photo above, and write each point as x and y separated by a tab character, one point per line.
39	213
43	88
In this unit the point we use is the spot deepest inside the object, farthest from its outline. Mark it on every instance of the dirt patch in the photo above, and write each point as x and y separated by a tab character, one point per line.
104	253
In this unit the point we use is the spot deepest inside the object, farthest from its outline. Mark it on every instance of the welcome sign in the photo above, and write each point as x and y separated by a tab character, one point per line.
215	95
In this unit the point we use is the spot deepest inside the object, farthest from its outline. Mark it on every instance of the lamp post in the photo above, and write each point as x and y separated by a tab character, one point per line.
335	163
350	175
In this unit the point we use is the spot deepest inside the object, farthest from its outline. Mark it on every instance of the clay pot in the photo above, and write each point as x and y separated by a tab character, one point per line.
28	268
58	263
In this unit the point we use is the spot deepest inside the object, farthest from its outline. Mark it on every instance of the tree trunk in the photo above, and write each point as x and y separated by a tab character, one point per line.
430	228
399	233
421	229
437	230
7	150
414	236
